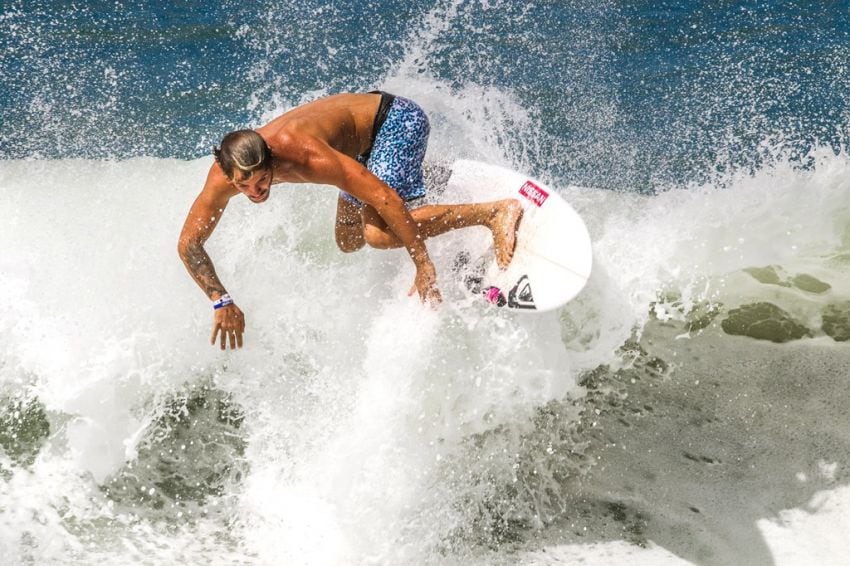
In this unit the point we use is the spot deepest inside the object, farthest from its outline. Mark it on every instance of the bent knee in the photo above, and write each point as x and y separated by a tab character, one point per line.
348	245
377	238
349	240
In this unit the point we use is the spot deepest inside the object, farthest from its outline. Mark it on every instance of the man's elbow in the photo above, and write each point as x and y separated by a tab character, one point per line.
185	250
182	249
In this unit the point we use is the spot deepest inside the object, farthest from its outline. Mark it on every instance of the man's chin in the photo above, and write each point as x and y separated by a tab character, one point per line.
263	198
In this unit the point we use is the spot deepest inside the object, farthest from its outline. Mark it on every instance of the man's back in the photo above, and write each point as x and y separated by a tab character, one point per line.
343	121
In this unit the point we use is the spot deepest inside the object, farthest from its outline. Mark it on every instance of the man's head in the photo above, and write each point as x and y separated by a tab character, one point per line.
246	159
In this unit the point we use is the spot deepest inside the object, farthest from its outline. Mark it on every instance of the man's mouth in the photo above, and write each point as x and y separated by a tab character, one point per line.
261	197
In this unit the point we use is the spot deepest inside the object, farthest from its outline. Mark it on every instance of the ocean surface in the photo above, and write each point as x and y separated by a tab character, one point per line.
688	407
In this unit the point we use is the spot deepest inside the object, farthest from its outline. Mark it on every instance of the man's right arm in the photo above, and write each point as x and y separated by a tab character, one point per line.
206	211
202	219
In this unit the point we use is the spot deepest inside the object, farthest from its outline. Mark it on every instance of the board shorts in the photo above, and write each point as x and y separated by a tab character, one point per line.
399	140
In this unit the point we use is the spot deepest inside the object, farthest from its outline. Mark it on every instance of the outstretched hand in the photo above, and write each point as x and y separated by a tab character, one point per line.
230	323
426	284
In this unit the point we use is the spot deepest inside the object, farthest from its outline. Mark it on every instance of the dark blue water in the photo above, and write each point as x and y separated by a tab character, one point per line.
629	95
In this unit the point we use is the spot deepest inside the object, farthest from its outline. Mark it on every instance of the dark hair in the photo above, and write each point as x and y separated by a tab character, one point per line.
244	150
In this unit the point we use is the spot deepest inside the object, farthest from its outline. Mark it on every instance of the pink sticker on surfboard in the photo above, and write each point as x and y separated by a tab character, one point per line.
533	193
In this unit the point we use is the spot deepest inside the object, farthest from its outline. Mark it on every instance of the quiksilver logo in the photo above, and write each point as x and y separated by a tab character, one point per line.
520	296
533	193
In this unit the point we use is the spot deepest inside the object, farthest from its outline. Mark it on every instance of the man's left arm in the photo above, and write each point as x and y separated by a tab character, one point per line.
325	165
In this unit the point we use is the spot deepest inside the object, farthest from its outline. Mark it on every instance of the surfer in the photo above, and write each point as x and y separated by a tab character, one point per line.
371	146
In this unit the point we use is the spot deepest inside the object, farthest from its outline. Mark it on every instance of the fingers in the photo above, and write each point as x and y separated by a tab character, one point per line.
430	296
235	339
231	338
412	290
434	298
226	337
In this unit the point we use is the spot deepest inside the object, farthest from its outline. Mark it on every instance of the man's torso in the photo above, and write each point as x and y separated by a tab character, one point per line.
343	121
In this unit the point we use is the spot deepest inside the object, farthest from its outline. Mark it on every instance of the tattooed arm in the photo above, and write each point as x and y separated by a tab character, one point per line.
205	213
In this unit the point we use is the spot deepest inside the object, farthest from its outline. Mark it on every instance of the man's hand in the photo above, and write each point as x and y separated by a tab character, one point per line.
230	322
426	284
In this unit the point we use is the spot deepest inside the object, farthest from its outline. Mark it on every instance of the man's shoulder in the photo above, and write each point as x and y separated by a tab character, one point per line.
294	144
217	185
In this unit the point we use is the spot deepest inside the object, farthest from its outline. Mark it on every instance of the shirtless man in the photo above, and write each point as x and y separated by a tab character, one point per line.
371	146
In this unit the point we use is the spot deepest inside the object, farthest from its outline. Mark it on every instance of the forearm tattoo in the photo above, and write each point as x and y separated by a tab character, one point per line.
201	269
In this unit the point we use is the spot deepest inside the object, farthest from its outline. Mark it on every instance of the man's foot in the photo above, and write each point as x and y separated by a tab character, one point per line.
504	225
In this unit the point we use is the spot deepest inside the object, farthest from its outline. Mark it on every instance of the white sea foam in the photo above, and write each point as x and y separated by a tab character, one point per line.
358	401
376	431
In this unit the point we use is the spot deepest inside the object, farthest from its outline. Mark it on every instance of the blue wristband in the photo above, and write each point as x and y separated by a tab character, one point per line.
222	301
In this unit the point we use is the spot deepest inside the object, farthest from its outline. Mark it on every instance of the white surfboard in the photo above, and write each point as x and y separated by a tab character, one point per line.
553	256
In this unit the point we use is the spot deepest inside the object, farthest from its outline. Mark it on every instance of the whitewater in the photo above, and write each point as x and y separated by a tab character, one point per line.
359	427
688	407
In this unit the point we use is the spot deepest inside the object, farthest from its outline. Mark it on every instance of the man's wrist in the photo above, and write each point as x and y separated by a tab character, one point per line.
419	255
222	301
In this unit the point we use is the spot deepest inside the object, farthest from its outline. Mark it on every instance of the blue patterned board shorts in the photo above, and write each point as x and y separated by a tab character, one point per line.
398	150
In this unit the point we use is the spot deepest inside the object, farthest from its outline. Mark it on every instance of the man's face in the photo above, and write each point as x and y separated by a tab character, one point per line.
256	187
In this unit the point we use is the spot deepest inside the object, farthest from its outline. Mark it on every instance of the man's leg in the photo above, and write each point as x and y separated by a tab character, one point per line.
501	217
348	228
397	155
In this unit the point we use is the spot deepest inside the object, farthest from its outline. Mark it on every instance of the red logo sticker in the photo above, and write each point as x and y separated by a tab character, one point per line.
533	193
